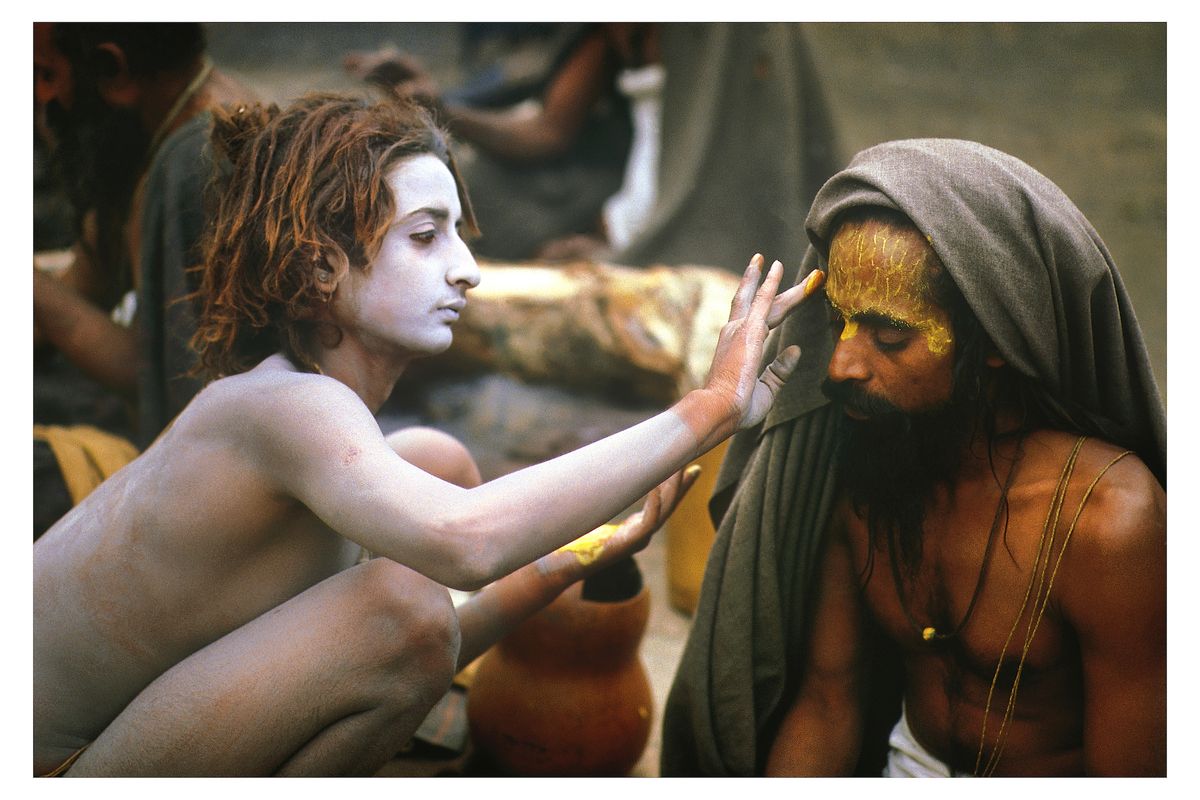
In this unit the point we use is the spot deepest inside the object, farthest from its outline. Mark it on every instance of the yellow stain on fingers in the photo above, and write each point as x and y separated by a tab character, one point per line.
590	546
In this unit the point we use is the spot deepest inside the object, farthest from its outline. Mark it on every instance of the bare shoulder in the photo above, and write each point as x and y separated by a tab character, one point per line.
278	397
277	413
1114	511
1116	489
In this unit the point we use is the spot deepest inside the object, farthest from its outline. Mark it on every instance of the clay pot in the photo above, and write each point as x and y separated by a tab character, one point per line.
566	693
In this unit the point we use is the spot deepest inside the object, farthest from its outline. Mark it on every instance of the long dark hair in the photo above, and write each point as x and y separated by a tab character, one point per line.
298	186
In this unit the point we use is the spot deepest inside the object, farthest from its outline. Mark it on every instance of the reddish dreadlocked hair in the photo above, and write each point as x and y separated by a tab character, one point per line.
297	189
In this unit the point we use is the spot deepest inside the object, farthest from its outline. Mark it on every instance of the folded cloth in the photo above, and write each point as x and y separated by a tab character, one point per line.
86	455
907	758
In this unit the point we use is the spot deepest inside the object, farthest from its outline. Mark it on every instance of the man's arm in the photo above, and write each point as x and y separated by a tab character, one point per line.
821	734
536	136
85	334
327	452
549	132
1113	593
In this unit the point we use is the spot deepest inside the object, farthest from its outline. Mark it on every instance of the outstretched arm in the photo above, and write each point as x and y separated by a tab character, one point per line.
467	538
489	615
1114	596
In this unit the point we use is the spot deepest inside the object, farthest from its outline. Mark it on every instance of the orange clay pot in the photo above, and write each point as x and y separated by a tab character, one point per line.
565	694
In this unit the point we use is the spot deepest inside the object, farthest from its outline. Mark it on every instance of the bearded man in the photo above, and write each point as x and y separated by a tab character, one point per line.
124	108
957	567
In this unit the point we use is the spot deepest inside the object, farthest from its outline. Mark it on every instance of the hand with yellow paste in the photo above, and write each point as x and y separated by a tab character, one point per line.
613	541
499	607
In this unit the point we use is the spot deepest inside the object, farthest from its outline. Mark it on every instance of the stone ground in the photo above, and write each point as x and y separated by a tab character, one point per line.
1083	103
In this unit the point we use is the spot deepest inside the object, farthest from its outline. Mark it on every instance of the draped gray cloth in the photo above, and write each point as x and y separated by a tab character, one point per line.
746	142
171	223
1046	290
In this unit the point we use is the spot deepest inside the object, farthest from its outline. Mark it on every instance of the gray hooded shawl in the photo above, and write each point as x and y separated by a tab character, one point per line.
1043	285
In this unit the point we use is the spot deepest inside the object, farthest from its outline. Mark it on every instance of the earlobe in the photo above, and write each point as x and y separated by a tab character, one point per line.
116	84
995	360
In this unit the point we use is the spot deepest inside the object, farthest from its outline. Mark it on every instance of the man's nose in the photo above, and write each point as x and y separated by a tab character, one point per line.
849	362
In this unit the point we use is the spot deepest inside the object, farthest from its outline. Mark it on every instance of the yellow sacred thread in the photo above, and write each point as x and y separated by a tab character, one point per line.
587	548
1041	599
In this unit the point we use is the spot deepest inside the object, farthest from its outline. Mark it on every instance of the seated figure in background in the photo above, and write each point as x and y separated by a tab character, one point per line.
123	108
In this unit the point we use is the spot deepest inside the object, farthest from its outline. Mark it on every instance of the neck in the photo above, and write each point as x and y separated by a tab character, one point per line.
172	98
371	378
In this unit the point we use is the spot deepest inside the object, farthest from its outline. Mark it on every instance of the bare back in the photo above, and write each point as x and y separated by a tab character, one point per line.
1112	564
187	543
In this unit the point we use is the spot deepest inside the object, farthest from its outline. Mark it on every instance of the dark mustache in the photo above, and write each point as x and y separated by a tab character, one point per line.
852	396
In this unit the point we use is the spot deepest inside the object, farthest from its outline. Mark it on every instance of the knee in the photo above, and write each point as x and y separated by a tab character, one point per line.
410	623
437	453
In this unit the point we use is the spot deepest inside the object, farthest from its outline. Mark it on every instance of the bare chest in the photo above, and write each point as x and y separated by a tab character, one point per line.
982	592
978	624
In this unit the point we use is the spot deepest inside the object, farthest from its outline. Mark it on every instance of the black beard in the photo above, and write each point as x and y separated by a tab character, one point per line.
98	153
891	463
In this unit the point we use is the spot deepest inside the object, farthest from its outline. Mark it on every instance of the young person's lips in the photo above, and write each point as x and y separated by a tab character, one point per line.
454	307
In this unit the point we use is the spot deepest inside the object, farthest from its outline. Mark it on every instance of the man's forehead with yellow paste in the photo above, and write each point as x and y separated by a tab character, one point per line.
881	271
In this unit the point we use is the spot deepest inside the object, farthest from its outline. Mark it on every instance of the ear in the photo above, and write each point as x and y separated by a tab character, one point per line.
994	360
331	272
115	83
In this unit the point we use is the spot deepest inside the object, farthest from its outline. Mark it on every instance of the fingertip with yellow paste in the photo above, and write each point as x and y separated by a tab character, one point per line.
590	546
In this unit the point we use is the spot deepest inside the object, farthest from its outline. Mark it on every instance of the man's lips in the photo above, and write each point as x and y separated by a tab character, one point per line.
854	413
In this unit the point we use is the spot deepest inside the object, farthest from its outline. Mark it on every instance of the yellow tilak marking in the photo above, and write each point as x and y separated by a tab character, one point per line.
899	287
587	548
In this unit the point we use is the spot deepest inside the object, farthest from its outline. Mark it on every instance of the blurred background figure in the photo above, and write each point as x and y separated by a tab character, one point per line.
646	144
119	111
546	151
731	133
746	141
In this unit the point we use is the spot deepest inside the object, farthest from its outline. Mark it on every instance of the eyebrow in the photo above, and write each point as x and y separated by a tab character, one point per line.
439	214
878	318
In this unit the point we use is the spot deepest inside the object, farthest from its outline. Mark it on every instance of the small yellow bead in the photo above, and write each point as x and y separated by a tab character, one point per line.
928	633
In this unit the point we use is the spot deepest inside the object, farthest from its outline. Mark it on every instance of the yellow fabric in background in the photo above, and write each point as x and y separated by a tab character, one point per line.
86	455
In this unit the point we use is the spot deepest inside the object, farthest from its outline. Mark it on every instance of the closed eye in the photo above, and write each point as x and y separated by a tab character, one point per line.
891	336
890	340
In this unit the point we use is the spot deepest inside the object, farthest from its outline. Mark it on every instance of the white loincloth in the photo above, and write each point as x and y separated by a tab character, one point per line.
908	759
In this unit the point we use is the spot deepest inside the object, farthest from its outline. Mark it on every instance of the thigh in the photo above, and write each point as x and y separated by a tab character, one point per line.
354	644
